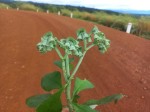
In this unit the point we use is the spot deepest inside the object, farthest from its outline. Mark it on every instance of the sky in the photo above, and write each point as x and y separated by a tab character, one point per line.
102	4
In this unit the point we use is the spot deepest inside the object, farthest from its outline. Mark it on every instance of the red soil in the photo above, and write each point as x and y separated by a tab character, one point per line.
125	68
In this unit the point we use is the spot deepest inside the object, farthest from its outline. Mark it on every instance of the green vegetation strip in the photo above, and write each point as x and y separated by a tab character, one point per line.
141	24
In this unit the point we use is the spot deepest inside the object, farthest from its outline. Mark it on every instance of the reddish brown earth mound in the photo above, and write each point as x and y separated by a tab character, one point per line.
125	68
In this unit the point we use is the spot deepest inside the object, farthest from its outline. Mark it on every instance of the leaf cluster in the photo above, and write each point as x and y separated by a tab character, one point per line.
52	102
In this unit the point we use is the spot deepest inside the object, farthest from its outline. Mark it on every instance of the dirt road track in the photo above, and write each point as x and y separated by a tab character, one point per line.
125	68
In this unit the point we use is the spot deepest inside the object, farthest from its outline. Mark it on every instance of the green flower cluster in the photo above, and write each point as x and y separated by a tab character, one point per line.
100	40
48	42
71	46
82	34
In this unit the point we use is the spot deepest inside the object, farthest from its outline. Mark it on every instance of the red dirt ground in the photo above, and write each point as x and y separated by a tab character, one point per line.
125	68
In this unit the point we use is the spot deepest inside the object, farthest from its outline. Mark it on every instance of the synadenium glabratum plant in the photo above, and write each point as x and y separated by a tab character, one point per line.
52	102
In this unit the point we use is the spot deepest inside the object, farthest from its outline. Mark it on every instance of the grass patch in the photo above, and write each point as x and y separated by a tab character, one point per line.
27	6
4	6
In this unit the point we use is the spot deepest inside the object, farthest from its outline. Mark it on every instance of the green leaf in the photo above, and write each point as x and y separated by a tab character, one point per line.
51	81
59	63
52	104
82	108
75	99
81	85
36	100
71	60
105	100
71	66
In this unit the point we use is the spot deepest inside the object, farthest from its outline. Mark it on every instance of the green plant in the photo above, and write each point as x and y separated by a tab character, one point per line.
28	6
4	6
72	47
65	12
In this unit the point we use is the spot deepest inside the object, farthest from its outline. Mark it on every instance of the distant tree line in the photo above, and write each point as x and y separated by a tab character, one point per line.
141	24
55	8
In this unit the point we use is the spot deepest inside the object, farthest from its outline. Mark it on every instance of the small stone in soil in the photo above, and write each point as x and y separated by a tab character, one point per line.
6	97
22	66
10	89
143	81
142	97
145	88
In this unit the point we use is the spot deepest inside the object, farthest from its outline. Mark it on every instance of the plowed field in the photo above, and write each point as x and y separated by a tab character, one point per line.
125	68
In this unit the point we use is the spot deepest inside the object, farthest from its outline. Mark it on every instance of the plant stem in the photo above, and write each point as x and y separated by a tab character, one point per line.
69	101
89	47
85	43
69	77
79	62
59	53
78	65
64	70
67	66
68	88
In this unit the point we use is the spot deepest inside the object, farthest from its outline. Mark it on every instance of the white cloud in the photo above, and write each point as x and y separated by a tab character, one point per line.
102	4
116	4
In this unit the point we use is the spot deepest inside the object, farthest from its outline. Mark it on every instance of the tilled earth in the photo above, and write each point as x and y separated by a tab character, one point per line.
125	68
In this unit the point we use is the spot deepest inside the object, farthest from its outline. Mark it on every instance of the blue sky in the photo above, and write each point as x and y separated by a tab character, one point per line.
102	4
